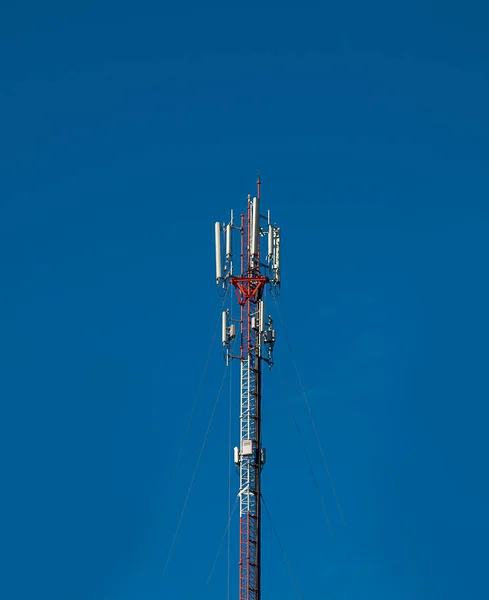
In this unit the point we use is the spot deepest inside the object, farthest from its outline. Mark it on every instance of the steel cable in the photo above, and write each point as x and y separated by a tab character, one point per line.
231	514
199	386
304	395
195	472
291	574
304	448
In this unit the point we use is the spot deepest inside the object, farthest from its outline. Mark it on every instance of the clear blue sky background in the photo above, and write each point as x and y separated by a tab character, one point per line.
126	130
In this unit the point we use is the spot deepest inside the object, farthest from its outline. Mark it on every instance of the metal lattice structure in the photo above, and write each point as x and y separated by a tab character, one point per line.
256	340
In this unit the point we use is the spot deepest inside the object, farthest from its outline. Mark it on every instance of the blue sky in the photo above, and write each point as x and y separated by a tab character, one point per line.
127	129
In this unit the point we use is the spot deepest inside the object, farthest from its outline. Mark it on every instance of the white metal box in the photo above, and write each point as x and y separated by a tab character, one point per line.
247	449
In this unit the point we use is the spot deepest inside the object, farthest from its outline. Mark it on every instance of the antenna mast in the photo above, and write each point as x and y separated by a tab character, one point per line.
256	340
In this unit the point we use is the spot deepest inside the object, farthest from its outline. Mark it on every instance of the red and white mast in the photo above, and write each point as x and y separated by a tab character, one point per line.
258	268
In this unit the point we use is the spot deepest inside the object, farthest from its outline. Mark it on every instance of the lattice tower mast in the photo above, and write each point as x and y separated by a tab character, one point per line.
259	267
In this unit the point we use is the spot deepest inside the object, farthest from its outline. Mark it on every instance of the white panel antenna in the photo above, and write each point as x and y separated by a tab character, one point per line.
255	226
276	255
229	233
218	252
270	242
224	327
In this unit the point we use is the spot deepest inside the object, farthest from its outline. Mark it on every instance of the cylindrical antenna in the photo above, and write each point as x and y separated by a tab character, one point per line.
270	241
229	233
255	226
224	327
218	252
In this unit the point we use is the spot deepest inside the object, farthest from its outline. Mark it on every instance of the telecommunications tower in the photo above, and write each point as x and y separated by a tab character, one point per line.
257	268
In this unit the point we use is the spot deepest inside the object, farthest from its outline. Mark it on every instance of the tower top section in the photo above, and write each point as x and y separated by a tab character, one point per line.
252	258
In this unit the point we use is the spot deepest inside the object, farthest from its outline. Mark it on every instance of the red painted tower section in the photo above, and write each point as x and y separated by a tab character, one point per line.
249	288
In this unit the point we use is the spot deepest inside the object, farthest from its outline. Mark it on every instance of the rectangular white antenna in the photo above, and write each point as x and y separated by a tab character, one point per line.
218	252
261	315
255	226
276	255
270	241
229	232
224	327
